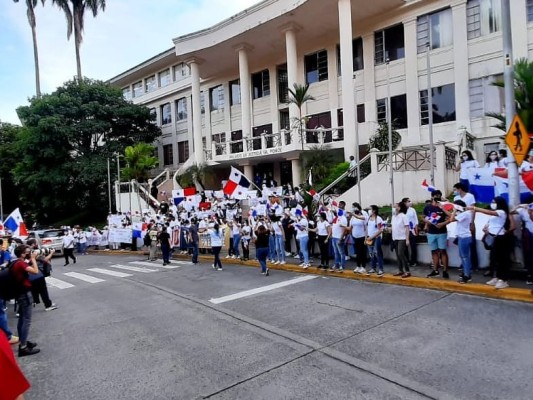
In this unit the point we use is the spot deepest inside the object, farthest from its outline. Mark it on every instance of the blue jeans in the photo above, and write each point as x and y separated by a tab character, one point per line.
338	248
304	241
24	307
3	320
464	252
165	249
82	247
261	254
194	247
376	254
271	247
280	249
236	241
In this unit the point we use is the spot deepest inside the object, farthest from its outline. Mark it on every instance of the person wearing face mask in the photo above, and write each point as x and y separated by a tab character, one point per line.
461	194
492	161
412	218
499	226
527	164
467	161
358	229
463	233
400	236
338	234
437	234
302	236
525	212
374	230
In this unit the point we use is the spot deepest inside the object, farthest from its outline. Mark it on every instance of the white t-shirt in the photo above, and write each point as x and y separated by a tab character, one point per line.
492	165
398	224
465	165
373	226
216	238
322	228
524	216
526	166
301	228
339	227
468	198
277	228
412	218
246	232
235	230
497	222
358	227
462	229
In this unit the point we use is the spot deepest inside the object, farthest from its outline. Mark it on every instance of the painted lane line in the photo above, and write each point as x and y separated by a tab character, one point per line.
252	292
83	277
58	283
109	272
130	268
153	265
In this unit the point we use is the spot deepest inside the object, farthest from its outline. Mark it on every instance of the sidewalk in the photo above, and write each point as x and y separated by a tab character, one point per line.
518	290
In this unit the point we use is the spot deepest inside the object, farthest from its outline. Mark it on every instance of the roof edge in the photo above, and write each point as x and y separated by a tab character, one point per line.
163	54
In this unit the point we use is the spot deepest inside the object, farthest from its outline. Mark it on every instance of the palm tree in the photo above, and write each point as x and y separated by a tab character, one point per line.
30	12
139	161
75	20
298	96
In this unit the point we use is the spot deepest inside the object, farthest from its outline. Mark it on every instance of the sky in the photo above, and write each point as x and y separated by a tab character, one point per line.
127	33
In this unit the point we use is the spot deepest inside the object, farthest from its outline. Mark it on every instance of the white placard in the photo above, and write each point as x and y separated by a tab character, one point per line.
120	235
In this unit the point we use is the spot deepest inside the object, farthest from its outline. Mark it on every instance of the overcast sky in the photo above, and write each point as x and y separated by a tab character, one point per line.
127	33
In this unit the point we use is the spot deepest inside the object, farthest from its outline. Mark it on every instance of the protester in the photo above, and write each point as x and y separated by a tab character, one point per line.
39	288
467	161
463	233
374	229
339	230
400	237
68	247
13	383
358	223
217	238
492	162
163	238
437	234
246	237
262	235
412	218
302	236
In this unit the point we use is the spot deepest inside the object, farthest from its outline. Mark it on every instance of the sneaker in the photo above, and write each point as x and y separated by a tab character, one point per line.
282	263
267	273
529	282
413	264
31	345
341	269
406	275
51	308
380	274
362	270
501	284
296	256
371	271
398	273
228	256
276	262
27	351
445	275
464	279
14	340
305	266
213	266
219	269
433	273
493	282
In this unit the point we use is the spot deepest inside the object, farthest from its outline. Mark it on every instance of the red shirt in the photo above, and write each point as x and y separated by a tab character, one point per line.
13	383
20	273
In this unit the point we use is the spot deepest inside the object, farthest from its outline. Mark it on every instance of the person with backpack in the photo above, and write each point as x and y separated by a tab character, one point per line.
20	271
38	281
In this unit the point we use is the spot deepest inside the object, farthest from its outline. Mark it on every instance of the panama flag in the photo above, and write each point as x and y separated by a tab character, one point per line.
2	231
481	184
15	224
428	187
501	188
433	218
179	195
236	182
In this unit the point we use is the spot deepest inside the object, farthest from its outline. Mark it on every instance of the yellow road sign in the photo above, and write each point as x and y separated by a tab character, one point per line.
517	139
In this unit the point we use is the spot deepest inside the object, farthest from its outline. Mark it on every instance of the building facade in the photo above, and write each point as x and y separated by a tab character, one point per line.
221	93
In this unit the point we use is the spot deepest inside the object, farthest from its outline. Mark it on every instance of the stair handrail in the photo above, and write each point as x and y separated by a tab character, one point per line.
165	173
151	200
342	176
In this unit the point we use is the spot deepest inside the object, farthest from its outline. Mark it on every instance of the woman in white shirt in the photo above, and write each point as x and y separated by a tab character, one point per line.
464	238
499	226
323	231
217	238
374	229
400	235
279	240
525	212
467	161
246	237
358	231
492	162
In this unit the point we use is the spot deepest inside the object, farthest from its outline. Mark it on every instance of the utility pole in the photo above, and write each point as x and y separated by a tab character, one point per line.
510	107
389	125
430	119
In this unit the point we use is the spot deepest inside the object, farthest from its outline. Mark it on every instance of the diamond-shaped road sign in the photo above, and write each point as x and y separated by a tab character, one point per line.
517	139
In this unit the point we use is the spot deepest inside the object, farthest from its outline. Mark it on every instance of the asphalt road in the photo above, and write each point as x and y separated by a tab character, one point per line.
191	332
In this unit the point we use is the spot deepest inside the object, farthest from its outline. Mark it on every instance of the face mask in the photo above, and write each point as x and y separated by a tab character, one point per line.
493	157
409	204
437	198
465	158
493	206
455	193
354	209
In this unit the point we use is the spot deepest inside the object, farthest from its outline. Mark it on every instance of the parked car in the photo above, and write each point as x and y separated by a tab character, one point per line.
50	238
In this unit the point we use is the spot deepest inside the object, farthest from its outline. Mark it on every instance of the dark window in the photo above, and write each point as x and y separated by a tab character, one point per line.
202	102
361	113
183	151
389	43
283	84
217	98
168	155
181	109
166	114
443	104
318	121
284	120
220	143
316	67
358	61
236	147
398	111
529	10
261	84
259	131
235	92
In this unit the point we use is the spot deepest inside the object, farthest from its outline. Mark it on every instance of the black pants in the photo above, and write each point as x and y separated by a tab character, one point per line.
324	250
230	249
288	238
360	251
38	288
216	253
69	253
412	250
245	245
500	256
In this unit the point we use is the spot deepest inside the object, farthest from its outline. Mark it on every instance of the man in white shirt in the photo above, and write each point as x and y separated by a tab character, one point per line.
68	247
461	193
412	218
338	233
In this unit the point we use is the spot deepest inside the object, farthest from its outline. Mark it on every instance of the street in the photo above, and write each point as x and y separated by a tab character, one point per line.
127	328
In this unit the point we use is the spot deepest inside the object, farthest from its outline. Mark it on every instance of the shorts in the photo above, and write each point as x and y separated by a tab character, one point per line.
437	241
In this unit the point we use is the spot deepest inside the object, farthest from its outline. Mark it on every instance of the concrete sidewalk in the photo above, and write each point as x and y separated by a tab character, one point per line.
518	290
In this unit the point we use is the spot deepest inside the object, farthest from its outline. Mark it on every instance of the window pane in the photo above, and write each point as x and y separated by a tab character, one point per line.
235	92
126	93
381	105
395	43
361	113
164	78
181	109
149	84
168	156
311	68
261	84
358	61
137	89
166	116
399	111
283	84
530	10
443	104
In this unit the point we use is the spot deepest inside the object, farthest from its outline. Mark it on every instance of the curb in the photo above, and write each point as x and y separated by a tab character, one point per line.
476	289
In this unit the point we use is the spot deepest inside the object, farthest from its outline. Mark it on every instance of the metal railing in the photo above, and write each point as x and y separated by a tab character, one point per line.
350	172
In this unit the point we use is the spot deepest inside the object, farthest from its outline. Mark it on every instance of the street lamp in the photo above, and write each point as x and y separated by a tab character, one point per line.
430	118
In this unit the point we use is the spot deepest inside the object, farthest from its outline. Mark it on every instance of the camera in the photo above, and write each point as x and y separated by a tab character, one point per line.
43	251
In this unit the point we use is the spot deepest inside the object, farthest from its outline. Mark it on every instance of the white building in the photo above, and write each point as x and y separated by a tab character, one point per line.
221	92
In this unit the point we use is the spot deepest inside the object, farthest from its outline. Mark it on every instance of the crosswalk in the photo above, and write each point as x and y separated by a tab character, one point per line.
71	279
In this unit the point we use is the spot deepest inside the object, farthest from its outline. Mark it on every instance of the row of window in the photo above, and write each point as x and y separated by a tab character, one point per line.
161	79
168	153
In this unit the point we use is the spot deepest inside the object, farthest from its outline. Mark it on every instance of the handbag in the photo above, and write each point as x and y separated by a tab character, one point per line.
369	242
488	239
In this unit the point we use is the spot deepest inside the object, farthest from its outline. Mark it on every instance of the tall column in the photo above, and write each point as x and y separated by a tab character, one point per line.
351	141
519	28
411	83
292	61
370	78
249	171
296	172
460	65
246	89
196	109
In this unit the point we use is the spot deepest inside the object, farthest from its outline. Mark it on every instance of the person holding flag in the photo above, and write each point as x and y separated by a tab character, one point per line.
437	234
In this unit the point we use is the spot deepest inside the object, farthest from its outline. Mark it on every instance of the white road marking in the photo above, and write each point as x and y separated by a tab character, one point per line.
57	283
109	272
83	277
130	268
154	265
251	292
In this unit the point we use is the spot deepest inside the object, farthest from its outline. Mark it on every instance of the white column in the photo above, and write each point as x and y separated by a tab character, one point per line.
296	172
460	44
370	78
411	83
292	61
196	110
246	89
351	141
519	28
249	171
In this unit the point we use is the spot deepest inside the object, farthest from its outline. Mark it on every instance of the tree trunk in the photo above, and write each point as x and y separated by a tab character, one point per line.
36	60
77	43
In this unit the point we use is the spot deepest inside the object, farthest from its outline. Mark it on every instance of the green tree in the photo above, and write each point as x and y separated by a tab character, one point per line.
319	160
380	140
66	139
8	157
30	12
196	174
523	88
299	95
139	161
75	16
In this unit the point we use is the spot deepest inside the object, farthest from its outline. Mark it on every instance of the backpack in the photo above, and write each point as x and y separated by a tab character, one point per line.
147	239
10	288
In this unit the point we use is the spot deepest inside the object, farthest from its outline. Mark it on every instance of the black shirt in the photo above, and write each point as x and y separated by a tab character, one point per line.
434	212
164	238
262	240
